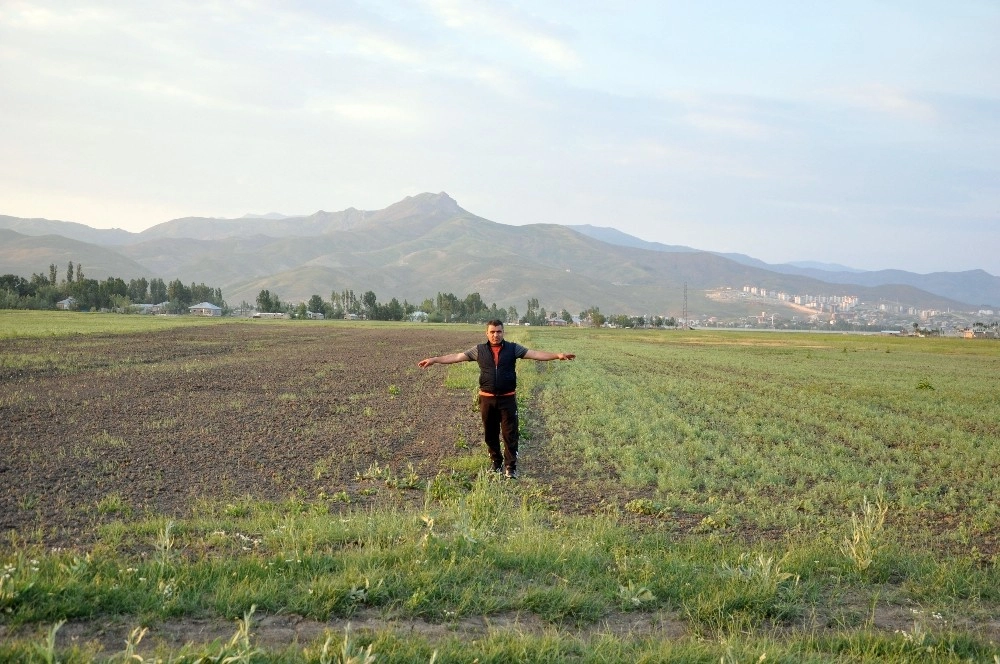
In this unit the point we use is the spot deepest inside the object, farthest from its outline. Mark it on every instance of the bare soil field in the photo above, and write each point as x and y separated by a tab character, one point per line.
95	428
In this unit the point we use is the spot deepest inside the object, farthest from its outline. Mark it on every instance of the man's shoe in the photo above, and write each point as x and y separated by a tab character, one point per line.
510	474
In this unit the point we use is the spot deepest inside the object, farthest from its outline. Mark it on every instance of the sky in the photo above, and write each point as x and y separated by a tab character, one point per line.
863	133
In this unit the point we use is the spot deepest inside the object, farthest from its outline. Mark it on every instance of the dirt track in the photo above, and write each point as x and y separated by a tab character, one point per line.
97	427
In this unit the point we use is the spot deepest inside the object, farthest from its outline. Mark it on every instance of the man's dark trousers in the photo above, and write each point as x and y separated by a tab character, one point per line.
500	419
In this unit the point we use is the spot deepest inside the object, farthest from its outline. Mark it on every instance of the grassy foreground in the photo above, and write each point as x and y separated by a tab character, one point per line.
805	498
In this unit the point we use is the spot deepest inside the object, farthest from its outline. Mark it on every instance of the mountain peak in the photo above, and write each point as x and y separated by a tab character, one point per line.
441	201
426	206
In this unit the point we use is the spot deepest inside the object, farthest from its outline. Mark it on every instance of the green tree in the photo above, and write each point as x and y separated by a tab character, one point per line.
447	306
350	302
179	293
474	308
53	273
69	273
88	295
535	315
14	284
316	304
394	310
370	302
203	293
120	304
110	288
138	289
337	308
157	291
532	308
594	315
268	303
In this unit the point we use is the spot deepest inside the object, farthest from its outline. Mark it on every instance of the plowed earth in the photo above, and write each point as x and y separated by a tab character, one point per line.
97	427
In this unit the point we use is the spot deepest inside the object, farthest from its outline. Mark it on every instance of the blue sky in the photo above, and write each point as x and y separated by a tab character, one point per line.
860	133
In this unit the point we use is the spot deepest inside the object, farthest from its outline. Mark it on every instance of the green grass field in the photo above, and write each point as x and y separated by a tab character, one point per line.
47	324
801	498
790	433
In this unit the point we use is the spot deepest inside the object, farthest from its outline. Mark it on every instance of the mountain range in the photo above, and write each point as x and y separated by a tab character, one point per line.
427	244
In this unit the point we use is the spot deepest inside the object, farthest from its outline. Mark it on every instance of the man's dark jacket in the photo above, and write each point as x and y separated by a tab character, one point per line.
499	378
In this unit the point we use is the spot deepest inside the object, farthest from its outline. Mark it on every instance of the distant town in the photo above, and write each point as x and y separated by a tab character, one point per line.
782	310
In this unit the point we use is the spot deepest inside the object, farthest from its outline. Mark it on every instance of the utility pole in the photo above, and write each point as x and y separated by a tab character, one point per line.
685	314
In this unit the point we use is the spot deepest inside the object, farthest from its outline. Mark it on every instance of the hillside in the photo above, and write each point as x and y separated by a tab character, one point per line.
427	244
414	256
25	255
976	287
67	229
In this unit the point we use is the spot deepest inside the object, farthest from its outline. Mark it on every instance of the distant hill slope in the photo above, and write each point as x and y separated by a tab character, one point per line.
615	236
67	229
25	255
427	244
975	287
320	223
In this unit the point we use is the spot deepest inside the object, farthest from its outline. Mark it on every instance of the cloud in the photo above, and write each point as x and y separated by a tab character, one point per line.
677	159
32	17
730	125
887	100
529	35
369	112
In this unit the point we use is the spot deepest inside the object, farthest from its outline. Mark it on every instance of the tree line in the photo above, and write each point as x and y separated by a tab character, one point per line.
44	291
443	308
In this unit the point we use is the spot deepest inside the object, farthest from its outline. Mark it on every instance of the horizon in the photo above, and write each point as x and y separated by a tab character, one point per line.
860	135
822	265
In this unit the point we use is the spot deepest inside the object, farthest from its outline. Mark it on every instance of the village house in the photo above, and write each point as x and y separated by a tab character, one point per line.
205	309
67	304
150	308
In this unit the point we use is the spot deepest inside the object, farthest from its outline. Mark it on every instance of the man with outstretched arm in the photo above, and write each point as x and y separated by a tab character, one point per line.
497	390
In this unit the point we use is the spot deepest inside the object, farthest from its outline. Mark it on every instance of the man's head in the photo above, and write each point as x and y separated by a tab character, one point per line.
494	332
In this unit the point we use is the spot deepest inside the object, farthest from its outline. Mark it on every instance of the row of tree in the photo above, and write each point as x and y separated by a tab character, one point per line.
444	308
44	291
